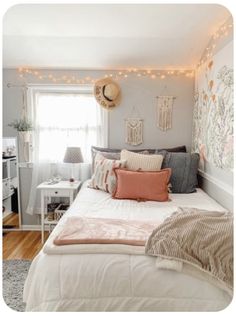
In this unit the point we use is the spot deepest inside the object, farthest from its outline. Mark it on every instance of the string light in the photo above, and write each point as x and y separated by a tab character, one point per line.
222	32
140	73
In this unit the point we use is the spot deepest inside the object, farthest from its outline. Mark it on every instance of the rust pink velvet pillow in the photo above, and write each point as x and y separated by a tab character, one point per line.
142	185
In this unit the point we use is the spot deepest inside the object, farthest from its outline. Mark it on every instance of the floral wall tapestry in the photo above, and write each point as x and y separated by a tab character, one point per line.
213	110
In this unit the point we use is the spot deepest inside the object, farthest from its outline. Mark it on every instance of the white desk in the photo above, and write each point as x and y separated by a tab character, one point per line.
60	189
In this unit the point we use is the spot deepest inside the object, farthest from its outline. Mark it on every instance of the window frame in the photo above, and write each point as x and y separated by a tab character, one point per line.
34	89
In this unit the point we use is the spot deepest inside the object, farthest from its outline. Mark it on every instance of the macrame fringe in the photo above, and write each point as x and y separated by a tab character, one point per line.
134	132
164	112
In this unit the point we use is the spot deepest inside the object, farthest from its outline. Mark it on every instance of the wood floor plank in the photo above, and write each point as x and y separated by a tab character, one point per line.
12	220
22	244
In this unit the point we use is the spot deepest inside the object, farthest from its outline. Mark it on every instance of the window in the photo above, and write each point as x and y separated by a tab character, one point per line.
67	118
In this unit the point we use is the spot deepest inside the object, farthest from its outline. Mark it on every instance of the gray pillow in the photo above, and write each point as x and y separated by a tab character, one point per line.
95	149
184	167
179	149
112	153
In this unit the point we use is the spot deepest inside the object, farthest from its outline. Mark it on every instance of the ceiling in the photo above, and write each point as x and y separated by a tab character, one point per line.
108	36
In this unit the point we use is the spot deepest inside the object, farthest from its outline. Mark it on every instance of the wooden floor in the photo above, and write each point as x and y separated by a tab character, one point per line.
12	220
21	244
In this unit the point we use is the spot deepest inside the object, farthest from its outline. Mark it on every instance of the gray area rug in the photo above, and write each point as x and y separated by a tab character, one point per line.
14	274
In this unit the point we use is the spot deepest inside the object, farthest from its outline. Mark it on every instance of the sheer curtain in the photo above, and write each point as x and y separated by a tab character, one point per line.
62	117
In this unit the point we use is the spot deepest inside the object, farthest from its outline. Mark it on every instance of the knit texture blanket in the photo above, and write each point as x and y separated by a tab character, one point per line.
203	239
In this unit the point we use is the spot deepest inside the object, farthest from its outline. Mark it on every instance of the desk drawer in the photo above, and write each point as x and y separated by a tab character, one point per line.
57	192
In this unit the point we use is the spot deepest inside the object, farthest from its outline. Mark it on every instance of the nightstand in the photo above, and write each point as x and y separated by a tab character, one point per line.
61	189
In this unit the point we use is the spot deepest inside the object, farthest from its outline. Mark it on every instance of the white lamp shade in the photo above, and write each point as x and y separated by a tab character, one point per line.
73	155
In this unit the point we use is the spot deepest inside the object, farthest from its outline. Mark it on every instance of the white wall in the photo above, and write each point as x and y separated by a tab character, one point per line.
142	93
138	92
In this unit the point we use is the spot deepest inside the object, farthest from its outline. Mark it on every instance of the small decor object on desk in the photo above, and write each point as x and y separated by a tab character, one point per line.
164	112
73	155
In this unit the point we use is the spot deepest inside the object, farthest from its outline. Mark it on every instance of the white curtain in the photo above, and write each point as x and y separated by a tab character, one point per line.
62	117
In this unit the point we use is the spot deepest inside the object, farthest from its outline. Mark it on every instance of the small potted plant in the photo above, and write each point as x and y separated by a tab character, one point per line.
23	126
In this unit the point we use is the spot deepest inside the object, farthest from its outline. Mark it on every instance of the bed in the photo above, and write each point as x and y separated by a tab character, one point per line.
71	281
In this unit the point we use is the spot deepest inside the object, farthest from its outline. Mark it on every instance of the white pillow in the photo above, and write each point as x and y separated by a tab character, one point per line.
104	177
136	161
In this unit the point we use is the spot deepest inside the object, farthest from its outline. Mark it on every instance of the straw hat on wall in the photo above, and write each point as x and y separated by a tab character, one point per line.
107	93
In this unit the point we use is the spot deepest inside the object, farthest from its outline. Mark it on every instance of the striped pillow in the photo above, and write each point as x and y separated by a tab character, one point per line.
104	177
135	161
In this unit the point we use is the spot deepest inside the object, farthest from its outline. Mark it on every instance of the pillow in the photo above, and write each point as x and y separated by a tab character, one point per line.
178	149
142	185
104	178
95	149
135	161
110	153
184	168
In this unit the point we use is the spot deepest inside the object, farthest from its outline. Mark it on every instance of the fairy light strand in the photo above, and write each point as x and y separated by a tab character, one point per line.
26	73
223	31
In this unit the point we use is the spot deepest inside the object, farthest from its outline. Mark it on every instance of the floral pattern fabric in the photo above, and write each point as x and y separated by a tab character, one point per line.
213	116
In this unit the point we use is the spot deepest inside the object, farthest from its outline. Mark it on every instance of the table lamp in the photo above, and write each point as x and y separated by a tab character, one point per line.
73	155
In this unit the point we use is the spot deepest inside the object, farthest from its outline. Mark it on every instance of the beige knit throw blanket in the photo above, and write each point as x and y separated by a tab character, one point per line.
203	239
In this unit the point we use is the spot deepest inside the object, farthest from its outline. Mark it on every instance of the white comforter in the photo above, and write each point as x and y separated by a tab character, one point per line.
118	282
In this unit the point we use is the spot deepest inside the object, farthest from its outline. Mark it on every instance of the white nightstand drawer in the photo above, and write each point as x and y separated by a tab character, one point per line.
57	192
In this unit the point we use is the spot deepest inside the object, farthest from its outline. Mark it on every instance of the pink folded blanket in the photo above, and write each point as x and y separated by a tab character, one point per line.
85	230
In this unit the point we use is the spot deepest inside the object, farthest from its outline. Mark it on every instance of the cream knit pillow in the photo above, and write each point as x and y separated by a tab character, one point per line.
135	161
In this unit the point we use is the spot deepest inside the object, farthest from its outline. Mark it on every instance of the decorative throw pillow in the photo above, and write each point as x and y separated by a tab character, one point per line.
104	177
108	153
135	161
142	185
179	149
184	168
95	149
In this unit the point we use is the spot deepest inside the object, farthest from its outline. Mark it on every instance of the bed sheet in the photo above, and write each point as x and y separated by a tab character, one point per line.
119	282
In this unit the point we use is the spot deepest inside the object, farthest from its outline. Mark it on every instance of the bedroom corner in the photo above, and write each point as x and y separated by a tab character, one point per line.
117	157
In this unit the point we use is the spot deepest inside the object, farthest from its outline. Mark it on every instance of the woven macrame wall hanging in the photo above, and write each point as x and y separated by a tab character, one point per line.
134	131
164	112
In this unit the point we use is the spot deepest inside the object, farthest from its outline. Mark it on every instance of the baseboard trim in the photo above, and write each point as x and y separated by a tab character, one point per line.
221	185
33	227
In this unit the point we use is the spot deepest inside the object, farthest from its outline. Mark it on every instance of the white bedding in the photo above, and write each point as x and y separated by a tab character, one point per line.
118	282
